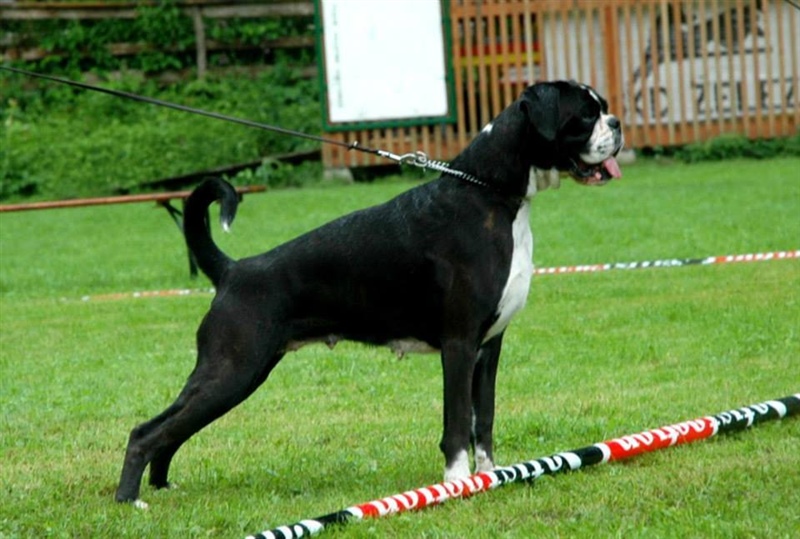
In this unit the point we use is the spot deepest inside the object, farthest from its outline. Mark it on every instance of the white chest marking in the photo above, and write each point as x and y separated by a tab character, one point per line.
515	292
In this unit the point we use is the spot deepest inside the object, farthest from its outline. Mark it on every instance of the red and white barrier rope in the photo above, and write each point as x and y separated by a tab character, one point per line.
149	294
670	263
590	268
611	450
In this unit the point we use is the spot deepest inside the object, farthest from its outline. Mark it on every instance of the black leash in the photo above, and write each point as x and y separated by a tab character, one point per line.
417	159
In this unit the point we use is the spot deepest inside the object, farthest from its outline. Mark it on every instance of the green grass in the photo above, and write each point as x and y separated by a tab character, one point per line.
592	357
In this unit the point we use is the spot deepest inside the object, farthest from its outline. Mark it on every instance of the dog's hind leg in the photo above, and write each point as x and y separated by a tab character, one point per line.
159	465
483	388
218	384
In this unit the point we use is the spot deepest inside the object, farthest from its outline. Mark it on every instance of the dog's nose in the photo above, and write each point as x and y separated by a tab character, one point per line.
613	122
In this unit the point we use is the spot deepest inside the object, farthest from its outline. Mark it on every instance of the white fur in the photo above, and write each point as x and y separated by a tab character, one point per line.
592	93
540	179
487	128
515	292
601	143
459	469
482	461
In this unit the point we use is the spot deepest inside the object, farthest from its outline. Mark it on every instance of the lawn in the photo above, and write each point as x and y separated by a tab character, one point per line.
592	357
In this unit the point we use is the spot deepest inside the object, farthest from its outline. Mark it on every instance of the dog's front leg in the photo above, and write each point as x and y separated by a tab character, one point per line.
458	364
483	387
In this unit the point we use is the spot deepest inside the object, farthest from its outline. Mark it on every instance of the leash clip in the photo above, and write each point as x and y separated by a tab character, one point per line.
417	159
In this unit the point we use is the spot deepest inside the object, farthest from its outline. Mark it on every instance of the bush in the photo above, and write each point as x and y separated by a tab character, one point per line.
274	173
92	144
733	145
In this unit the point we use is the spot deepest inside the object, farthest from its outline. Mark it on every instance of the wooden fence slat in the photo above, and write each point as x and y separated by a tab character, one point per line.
509	51
274	9
688	7
744	102
728	28
770	96
642	43
612	42
795	63
680	56
32	12
530	44
28	11
483	84
779	6
629	125
200	41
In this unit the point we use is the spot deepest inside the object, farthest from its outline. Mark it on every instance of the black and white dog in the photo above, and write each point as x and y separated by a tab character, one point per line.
440	268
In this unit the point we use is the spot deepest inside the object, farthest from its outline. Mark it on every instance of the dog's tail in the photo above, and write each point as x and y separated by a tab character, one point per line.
211	260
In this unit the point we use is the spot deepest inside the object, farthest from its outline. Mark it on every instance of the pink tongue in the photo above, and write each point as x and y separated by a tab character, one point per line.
612	167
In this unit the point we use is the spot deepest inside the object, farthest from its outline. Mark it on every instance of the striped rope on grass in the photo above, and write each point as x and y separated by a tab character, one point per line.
671	263
149	294
591	268
611	450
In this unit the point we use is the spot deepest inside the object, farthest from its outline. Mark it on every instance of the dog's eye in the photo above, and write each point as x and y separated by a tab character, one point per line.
578	129
582	124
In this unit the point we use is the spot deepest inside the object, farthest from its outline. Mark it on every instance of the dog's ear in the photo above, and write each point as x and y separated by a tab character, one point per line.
540	103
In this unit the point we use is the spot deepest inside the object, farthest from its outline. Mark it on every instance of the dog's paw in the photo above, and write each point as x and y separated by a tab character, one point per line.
458	469
482	461
141	504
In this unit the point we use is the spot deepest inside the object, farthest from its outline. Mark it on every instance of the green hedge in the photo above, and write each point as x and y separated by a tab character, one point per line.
733	145
729	146
73	143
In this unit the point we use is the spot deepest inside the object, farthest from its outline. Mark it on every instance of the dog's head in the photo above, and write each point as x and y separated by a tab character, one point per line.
553	128
571	131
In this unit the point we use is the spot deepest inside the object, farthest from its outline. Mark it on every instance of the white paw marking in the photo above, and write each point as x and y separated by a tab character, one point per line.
459	469
139	504
482	461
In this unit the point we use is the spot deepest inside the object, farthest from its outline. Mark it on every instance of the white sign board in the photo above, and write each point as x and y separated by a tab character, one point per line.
384	60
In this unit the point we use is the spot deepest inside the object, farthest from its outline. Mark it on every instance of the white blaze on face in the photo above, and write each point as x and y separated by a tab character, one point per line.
593	94
602	143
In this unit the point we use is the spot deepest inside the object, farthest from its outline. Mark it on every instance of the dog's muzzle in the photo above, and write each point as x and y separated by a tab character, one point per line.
606	167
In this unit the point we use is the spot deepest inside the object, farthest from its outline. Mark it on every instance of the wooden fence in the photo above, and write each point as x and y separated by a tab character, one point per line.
674	71
198	10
